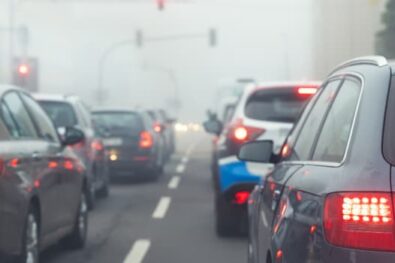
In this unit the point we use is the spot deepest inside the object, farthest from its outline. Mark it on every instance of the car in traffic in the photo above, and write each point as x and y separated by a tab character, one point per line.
43	189
163	125
134	149
330	197
70	111
264	111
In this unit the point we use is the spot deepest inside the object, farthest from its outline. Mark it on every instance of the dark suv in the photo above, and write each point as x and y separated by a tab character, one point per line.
42	184
133	147
330	197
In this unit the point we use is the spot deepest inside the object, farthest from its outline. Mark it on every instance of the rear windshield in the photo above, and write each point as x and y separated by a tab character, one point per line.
116	122
61	113
278	105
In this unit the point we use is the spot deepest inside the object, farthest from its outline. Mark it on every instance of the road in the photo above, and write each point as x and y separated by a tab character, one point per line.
170	220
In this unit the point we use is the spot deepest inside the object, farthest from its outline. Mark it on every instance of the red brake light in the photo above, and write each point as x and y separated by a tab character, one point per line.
157	127
360	220
241	197
307	90
68	165
241	133
146	140
97	145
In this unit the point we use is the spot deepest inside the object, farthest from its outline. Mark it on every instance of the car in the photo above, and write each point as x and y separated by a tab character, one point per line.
43	189
70	111
164	126
330	197
264	111
133	147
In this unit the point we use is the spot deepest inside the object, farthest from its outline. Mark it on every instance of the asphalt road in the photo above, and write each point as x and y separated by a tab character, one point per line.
167	221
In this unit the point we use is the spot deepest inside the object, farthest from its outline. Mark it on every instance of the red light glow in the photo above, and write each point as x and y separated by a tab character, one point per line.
14	162
360	220
241	197
97	145
146	140
68	165
52	164
240	133
307	91
279	255
23	69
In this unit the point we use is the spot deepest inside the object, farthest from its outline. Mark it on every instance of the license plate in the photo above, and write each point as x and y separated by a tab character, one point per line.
112	142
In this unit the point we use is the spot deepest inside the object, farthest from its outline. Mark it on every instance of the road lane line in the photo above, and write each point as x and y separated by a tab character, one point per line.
180	168
174	182
162	207
138	251
185	159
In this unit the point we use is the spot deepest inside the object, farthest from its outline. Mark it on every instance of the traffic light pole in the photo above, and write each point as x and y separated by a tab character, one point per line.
139	40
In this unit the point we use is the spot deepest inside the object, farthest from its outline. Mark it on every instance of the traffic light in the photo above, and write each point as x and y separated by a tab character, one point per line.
26	73
160	4
213	37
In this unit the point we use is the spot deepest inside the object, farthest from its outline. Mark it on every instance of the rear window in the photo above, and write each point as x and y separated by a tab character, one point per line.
61	113
278	105
117	121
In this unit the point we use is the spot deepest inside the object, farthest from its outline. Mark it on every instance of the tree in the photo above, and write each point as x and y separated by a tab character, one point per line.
385	44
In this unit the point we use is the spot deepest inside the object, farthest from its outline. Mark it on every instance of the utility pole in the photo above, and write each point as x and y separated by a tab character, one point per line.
11	25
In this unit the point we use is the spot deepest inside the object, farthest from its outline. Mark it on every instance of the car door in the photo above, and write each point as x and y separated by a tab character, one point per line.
29	143
57	165
296	149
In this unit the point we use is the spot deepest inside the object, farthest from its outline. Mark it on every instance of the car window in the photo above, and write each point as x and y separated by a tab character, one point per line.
46	128
9	121
22	121
279	105
336	130
118	122
312	124
61	113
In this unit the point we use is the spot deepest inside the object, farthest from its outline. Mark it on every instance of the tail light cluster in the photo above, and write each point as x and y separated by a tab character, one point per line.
241	197
240	133
360	220
157	127
97	145
146	140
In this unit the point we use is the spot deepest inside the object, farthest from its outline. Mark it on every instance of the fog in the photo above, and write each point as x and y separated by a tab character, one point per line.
262	40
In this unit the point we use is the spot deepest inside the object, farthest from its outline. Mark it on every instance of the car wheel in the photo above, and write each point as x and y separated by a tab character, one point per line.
104	191
77	238
91	197
225	225
31	239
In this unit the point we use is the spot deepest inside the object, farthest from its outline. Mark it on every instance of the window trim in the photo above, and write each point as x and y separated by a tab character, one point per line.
41	136
17	92
342	76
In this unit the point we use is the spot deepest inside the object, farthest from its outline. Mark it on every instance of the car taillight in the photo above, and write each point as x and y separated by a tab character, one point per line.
241	197
241	133
146	140
360	220
97	145
157	127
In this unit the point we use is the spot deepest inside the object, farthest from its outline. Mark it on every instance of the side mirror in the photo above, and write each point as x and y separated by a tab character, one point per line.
72	136
256	151
213	127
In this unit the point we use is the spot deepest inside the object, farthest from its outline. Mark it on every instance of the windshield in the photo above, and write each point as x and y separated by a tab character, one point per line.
277	105
61	113
118	122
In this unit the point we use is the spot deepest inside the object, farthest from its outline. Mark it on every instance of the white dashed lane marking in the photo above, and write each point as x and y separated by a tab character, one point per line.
162	207
138	251
174	182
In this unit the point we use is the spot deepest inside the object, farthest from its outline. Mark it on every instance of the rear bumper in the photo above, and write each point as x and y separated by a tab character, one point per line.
128	168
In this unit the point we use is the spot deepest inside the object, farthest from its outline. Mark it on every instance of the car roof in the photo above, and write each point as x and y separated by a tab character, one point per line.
115	109
286	84
55	97
6	87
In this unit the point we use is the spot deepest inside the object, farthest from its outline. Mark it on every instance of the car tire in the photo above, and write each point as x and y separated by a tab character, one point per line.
77	238
225	225
104	191
31	240
91	197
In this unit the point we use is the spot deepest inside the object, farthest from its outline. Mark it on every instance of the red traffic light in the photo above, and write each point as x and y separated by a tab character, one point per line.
23	69
161	4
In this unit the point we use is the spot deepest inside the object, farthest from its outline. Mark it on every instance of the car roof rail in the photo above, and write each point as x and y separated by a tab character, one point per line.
378	61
